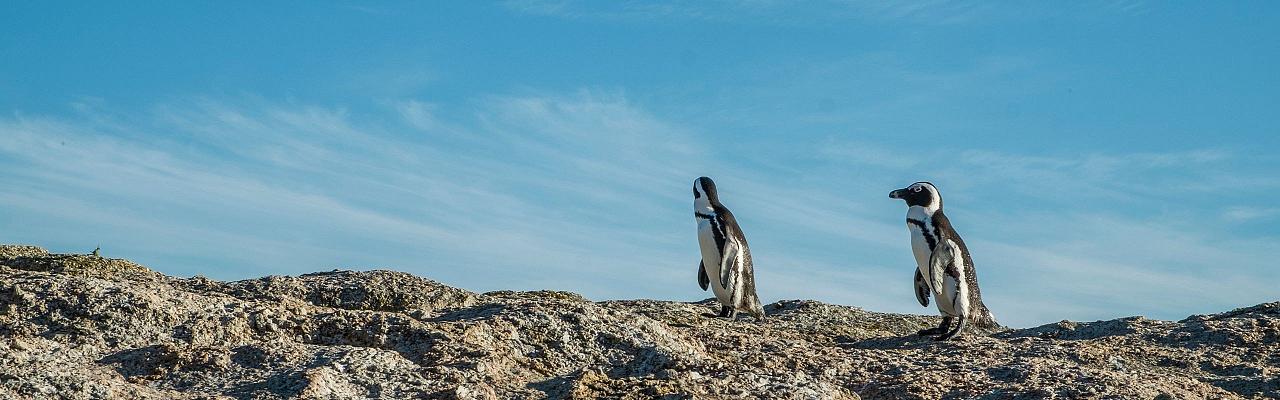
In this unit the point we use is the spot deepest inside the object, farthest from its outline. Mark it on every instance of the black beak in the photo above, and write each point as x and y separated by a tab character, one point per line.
897	194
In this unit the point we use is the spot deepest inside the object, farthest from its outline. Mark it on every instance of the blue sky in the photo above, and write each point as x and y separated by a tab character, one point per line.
1101	159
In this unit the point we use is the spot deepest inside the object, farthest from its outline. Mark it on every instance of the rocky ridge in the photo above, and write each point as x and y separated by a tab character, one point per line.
86	327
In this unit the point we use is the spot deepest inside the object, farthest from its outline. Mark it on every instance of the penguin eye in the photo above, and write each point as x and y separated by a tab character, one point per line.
915	188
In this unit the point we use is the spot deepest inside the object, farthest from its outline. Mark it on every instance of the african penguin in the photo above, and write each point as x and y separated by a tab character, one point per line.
725	255
943	266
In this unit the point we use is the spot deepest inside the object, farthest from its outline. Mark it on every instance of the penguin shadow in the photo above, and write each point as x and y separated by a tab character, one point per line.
708	310
560	387
890	342
142	361
740	318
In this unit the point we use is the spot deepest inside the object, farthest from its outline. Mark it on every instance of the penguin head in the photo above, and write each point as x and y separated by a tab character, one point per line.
919	194
704	192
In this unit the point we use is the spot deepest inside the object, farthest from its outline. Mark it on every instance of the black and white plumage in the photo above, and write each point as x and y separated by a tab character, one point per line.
944	269
725	255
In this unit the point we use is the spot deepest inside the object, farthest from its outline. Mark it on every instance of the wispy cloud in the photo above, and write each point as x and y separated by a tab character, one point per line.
587	191
1256	213
535	182
760	11
774	12
1114	266
419	115
1133	177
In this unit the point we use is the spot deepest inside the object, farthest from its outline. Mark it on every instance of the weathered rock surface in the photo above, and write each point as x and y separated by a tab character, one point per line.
80	326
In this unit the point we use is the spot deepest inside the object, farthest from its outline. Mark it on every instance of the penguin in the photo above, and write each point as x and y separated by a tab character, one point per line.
944	268
725	255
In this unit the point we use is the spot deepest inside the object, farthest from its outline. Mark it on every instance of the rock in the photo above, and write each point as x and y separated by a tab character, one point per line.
83	327
17	251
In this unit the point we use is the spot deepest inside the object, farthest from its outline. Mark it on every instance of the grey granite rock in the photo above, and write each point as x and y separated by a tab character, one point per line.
86	327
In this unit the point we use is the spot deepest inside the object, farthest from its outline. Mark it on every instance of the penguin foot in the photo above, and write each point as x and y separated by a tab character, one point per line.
725	312
939	330
954	333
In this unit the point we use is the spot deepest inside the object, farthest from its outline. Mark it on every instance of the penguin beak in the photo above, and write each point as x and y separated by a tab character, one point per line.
897	194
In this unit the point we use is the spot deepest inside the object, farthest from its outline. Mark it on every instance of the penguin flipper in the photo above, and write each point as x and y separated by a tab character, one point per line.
942	257
703	281
922	289
729	264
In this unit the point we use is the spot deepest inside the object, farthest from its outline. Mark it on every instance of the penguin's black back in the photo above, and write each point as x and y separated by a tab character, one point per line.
730	223
731	229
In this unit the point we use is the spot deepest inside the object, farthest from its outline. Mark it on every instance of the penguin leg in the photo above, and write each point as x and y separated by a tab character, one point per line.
946	324
728	312
724	312
955	333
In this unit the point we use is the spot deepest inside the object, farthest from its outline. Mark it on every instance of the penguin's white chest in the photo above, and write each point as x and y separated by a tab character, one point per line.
919	244
711	259
920	248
